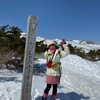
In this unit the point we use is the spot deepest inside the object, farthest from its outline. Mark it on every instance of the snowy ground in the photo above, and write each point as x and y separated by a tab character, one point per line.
80	81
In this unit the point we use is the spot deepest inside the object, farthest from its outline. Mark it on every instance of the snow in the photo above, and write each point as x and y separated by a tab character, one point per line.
77	41
23	35
10	84
38	38
80	80
86	47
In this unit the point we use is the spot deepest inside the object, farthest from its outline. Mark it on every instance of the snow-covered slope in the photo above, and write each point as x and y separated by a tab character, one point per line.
89	42
85	45
80	81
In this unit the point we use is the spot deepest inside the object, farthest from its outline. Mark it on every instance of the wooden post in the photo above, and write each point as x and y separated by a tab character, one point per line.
29	58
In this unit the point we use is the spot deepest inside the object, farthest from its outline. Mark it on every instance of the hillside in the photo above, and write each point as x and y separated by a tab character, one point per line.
85	45
80	80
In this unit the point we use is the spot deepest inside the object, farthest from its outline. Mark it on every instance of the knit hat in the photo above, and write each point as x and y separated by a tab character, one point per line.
51	42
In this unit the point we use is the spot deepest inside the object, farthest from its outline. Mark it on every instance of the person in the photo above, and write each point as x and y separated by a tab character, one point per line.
53	54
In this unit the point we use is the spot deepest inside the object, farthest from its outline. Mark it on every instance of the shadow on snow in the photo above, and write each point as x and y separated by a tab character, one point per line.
8	79
38	69
71	96
68	96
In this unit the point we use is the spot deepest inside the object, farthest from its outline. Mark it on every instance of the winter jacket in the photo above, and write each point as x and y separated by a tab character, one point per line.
56	58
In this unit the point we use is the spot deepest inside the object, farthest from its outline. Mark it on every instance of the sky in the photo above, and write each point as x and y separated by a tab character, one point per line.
63	19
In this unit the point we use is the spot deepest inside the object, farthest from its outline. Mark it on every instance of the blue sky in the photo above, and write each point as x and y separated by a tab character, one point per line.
64	19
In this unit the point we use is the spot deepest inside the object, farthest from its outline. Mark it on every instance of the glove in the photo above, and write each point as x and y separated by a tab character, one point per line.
63	41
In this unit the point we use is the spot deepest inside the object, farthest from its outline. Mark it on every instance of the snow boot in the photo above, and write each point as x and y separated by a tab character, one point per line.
53	97
44	97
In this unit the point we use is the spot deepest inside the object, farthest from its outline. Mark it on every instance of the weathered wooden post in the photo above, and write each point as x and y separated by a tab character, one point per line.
29	58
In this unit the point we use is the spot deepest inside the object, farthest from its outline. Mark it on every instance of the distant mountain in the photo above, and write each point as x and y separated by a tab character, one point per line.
86	45
89	42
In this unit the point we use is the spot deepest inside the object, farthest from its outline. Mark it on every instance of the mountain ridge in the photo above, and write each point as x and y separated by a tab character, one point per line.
85	45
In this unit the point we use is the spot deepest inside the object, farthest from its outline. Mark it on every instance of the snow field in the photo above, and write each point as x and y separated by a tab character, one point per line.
80	81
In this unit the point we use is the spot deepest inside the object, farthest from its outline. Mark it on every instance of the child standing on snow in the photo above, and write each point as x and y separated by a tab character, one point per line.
53	55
